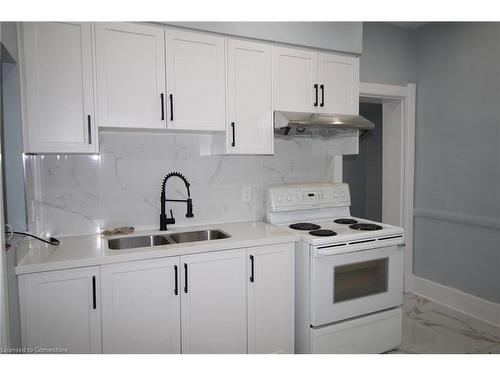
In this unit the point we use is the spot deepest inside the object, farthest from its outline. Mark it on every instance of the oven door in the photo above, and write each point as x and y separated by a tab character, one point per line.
357	283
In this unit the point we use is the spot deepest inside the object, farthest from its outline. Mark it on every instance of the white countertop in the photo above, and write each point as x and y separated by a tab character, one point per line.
92	250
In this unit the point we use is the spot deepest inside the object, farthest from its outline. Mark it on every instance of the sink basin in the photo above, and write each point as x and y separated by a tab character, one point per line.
140	241
201	235
165	239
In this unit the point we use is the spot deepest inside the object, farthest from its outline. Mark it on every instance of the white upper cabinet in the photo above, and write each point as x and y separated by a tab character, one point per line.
339	84
152	77
270	299
130	75
249	98
306	81
58	88
61	309
141	307
295	79
195	81
213	302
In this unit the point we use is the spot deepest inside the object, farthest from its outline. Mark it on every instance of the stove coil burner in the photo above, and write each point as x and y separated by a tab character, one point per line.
345	221
304	226
322	233
365	226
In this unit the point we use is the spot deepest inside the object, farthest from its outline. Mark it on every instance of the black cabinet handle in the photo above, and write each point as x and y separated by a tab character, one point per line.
233	143
171	97
89	126
252	278
322	87
94	298
185	278
316	90
176	288
162	107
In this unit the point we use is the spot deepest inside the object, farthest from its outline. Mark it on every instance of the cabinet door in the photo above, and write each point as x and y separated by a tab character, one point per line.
61	310
270	299
57	88
130	75
339	84
295	76
141	307
195	81
213	302
250	112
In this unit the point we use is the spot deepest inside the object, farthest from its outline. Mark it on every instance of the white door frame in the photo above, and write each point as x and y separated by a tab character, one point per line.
405	97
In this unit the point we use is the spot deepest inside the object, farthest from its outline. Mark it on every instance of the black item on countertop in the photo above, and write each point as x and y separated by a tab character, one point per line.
52	240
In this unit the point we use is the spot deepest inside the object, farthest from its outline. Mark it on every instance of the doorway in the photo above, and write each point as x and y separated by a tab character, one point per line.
398	155
363	172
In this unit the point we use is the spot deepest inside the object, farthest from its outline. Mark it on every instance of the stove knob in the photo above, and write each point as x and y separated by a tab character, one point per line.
288	198
279	198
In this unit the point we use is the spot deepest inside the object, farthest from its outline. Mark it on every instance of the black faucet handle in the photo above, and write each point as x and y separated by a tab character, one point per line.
171	220
189	212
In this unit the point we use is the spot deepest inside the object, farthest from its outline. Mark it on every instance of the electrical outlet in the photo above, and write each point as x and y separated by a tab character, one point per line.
246	194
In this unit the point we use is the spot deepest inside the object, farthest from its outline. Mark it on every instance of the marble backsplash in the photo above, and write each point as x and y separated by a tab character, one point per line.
81	194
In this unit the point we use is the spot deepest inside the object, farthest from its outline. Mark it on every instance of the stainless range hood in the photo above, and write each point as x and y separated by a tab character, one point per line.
302	124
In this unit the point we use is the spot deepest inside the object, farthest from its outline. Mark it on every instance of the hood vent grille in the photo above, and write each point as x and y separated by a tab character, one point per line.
315	125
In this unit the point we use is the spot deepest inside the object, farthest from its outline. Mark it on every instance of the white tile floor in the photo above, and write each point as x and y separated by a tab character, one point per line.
431	328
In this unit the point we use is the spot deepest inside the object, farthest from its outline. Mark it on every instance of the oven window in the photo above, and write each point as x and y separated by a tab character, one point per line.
360	279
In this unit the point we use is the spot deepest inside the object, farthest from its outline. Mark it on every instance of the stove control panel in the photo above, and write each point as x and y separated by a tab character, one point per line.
304	196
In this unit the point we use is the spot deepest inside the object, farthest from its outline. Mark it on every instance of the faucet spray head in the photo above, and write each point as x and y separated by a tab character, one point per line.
189	212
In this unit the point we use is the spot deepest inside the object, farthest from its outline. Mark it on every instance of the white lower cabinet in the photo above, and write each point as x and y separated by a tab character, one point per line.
270	299
141	307
60	311
213	302
232	301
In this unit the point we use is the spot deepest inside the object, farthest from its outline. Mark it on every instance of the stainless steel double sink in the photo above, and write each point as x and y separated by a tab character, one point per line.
125	243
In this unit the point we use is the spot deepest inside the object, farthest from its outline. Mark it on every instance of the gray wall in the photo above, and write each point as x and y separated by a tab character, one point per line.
388	54
363	172
457	171
337	36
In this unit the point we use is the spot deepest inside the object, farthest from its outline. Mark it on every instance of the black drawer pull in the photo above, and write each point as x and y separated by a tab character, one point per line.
171	97
233	143
316	92
94	297
162	107
252	278
176	288
185	278
322	87
89	126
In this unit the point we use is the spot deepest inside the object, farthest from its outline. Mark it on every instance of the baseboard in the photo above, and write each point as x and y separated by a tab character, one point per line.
455	299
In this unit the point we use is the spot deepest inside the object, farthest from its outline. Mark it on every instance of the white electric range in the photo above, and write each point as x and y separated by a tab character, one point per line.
348	271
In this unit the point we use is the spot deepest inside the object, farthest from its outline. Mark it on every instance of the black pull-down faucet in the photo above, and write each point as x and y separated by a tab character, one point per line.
163	199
